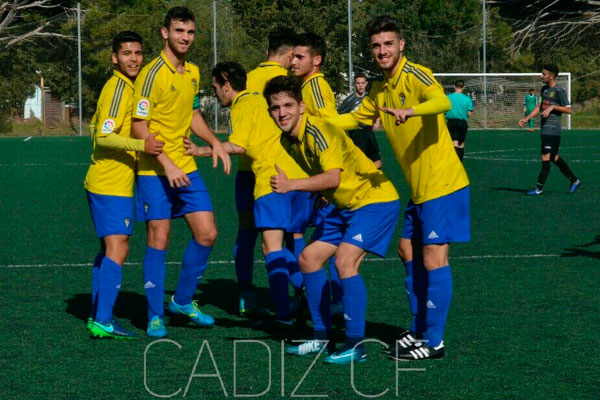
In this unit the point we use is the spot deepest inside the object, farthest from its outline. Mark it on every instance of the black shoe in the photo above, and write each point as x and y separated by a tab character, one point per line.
418	351
404	340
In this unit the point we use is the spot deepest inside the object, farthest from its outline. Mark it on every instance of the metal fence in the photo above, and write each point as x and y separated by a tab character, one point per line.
56	92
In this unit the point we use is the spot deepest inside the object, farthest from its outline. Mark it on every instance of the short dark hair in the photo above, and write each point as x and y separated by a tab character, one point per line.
383	23
231	72
281	37
125	37
459	84
314	42
182	14
289	85
552	68
360	75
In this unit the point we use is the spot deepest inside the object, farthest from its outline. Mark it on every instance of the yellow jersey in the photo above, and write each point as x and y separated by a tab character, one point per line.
422	144
112	169
255	83
255	131
321	146
166	99
318	97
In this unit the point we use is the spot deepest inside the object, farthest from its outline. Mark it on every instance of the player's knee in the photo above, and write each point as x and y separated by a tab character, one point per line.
207	238
346	266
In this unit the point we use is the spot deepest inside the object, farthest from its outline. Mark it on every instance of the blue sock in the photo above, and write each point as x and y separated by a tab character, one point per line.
154	281
410	292
336	284
109	283
195	259
295	275
318	297
278	273
420	284
95	277
439	295
243	255
355	307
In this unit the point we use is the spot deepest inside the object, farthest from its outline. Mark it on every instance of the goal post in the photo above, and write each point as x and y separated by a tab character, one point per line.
504	93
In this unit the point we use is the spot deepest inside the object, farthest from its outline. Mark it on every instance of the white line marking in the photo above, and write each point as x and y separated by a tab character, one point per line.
27	138
367	260
42	164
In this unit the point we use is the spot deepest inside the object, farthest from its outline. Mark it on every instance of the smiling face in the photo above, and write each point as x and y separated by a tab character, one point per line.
180	36
304	63
286	112
128	59
387	48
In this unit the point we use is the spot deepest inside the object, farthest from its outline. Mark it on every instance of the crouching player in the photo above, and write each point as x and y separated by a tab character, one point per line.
109	182
362	217
254	134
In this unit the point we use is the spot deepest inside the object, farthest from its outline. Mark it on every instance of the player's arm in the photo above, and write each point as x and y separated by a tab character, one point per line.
329	179
366	114
435	102
470	109
148	145
532	114
201	129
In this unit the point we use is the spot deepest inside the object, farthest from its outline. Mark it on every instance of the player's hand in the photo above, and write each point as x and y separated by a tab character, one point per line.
401	114
547	111
218	151
377	124
177	178
280	182
522	122
153	146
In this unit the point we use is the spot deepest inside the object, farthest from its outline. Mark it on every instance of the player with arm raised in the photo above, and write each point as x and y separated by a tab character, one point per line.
169	185
554	103
361	218
411	104
109	181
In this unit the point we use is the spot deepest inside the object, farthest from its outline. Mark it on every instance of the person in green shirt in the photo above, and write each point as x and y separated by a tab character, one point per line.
530	102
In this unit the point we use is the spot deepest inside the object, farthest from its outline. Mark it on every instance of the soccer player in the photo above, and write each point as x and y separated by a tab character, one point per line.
361	219
554	103
254	134
530	102
109	182
279	59
363	137
308	57
456	117
169	185
411	103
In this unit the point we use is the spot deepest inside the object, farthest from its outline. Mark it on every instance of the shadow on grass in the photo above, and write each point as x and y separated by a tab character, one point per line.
507	189
130	306
582	251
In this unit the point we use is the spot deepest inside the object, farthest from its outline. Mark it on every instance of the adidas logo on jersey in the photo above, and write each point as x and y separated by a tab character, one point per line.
149	285
432	235
430	304
347	318
358	238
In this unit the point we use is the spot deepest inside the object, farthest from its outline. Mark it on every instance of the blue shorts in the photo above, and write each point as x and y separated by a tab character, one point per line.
438	221
370	227
244	191
285	211
157	200
112	215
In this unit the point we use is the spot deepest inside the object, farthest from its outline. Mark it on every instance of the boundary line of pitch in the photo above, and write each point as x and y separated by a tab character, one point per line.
367	260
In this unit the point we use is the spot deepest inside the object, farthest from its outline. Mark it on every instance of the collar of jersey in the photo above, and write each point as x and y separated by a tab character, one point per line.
315	76
123	77
269	64
302	129
239	96
170	65
393	80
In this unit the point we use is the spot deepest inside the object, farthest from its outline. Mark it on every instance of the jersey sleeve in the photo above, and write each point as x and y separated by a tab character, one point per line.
325	100
241	127
562	98
366	114
470	108
326	148
431	93
120	142
112	107
146	92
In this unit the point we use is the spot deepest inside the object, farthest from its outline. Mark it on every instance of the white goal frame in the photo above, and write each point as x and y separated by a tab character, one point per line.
508	75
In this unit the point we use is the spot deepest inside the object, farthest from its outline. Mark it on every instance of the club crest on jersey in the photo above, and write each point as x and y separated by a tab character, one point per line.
551	94
402	98
194	82
127	222
143	107
146	207
108	126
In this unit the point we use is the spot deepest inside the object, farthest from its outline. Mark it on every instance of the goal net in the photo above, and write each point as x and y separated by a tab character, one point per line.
503	94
